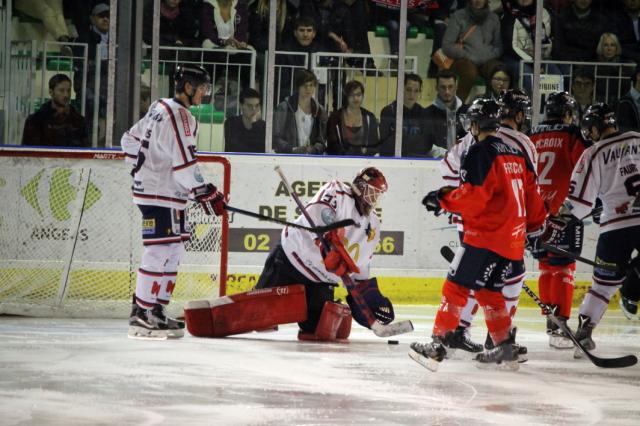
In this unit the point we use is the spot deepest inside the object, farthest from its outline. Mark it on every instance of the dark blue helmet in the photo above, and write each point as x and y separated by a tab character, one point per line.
557	105
486	112
600	116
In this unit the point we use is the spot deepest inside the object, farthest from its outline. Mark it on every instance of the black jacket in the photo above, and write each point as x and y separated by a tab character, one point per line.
576	39
285	131
436	119
339	144
628	114
238	138
184	28
620	24
414	131
46	128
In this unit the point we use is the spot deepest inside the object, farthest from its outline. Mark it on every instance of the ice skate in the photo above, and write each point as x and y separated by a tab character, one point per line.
583	335
558	338
428	355
504	355
144	324
175	327
460	339
628	307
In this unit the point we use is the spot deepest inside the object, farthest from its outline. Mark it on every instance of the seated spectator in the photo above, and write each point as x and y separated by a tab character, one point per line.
56	123
352	130
333	22
360	19
246	132
414	125
300	122
443	126
224	24
440	18
624	23
609	49
482	45
51	13
582	87
577	31
499	80
628	110
177	24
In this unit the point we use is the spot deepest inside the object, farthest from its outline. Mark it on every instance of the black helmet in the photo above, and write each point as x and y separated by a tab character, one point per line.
558	104
190	73
600	116
486	112
514	101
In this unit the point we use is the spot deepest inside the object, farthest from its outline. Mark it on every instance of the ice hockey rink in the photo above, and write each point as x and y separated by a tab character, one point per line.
87	372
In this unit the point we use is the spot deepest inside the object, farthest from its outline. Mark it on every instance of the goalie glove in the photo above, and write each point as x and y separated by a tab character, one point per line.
432	200
211	200
380	306
337	260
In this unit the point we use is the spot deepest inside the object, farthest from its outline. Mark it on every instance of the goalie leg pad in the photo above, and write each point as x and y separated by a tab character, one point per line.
330	323
245	312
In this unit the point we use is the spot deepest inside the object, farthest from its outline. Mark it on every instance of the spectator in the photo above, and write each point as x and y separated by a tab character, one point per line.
481	48
224	24
624	23
609	49
177	24
56	123
299	122
499	81
414	125
629	105
352	130
440	18
577	31
360	18
582	87
333	21
444	128
246	132
51	13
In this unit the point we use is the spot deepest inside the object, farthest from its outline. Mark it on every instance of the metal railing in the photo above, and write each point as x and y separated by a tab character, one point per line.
19	93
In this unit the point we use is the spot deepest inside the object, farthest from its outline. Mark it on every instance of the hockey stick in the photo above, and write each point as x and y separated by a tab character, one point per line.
379	329
316	229
568	254
620	362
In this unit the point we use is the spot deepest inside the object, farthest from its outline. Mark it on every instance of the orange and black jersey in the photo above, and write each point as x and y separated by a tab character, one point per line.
559	148
498	198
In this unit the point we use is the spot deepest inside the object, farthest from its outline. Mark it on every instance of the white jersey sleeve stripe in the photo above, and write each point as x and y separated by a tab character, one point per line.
185	165
309	271
176	131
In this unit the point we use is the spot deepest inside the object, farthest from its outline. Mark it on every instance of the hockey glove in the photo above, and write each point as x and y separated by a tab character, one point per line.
380	306
337	260
533	242
211	200
432	200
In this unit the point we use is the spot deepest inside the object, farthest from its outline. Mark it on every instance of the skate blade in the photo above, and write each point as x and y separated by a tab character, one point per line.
141	333
503	366
561	343
175	334
428	363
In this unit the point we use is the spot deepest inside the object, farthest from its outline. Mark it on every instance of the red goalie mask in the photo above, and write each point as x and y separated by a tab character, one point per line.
368	185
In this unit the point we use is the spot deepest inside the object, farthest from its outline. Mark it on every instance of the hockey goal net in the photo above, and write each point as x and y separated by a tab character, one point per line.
71	236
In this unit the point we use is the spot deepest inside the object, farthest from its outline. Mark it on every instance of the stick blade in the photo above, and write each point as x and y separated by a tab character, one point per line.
622	362
393	329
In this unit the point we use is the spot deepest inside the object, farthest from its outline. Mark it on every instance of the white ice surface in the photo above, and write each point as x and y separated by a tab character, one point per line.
87	372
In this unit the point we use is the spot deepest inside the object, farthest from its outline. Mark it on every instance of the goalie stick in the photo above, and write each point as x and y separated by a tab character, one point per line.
620	362
379	329
316	229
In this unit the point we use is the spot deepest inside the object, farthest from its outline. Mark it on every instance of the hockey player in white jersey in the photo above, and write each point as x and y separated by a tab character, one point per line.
609	170
299	258
516	107
161	148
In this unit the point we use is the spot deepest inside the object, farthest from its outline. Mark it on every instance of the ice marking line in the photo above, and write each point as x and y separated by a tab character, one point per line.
473	389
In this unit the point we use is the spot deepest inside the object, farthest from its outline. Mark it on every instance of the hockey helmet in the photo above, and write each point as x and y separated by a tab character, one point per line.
515	101
600	116
557	105
485	112
193	74
368	185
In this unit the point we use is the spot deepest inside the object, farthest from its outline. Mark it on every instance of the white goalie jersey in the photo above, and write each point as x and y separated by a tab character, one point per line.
162	149
609	170
333	202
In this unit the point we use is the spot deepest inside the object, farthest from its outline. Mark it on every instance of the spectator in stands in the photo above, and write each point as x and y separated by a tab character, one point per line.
51	13
609	49
333	22
624	23
360	18
582	87
440	18
443	126
629	105
499	81
481	48
177	24
224	24
300	122
414	125
56	123
246	132
352	130
610	77
577	31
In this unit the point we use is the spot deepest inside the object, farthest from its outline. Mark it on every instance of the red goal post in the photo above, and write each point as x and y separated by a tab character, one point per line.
70	235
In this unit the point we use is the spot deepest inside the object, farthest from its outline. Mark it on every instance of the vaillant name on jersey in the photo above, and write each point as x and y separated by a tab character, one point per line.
615	153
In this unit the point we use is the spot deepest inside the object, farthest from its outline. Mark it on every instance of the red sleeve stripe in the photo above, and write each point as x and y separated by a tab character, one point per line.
159	197
620	219
580	200
175	130
185	165
301	263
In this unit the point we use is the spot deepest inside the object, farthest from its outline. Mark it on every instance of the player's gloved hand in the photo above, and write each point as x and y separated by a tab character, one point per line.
432	200
211	200
533	242
337	260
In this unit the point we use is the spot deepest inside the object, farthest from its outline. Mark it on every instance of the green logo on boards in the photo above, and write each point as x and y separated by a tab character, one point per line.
61	193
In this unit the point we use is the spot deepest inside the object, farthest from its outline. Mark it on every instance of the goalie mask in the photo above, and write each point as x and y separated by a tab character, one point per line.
368	185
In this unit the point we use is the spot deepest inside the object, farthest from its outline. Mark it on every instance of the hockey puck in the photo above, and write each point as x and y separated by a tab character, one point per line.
392	342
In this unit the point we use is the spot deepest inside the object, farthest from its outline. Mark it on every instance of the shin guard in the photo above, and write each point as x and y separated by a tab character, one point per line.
544	282
454	298
562	284
245	312
495	314
469	311
511	292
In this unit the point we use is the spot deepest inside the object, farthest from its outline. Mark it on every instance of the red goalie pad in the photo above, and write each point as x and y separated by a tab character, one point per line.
245	312
334	324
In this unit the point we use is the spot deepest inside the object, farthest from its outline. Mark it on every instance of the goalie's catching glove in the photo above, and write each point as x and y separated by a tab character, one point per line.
432	200
211	200
337	260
